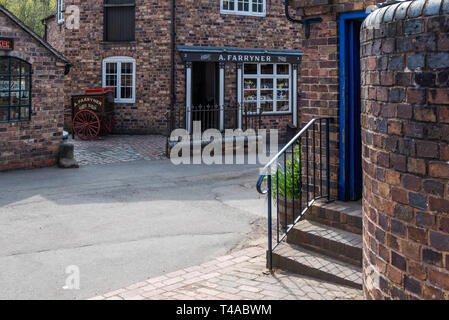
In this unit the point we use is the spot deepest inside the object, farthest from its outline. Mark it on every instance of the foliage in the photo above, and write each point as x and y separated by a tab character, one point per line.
31	12
288	176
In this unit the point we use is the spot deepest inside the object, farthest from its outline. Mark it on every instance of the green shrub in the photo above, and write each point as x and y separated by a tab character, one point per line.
288	174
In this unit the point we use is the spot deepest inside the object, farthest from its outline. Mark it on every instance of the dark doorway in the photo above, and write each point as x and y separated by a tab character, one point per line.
205	79
205	94
351	176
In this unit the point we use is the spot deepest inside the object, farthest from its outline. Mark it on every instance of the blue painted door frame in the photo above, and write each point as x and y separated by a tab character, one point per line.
350	178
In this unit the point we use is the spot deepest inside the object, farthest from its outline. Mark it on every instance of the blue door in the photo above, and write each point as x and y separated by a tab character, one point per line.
351	178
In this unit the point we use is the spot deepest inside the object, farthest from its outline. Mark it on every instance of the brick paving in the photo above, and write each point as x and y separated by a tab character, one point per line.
119	148
239	276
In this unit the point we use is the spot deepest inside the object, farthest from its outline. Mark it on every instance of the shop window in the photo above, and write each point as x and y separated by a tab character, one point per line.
120	73
266	88
119	20
15	89
244	7
61	11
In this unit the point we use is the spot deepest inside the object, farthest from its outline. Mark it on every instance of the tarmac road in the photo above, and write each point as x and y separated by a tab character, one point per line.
119	224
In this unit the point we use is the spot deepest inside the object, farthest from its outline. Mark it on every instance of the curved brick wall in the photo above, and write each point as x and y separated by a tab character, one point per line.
405	123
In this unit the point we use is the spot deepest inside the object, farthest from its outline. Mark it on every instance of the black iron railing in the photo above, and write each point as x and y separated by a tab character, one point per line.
295	178
209	116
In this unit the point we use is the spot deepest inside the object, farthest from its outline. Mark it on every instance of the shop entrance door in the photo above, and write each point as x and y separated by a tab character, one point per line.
205	94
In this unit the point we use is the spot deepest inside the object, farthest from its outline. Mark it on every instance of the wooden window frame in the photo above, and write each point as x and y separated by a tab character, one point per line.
119	61
250	11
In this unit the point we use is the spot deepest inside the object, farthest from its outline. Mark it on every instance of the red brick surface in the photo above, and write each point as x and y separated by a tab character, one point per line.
406	238
34	143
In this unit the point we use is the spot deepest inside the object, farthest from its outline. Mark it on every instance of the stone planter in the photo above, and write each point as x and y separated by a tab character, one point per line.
287	209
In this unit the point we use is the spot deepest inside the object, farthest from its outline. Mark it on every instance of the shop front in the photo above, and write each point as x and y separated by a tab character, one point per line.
265	85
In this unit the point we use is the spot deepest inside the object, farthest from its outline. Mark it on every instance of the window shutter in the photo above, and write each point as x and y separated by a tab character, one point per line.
120	20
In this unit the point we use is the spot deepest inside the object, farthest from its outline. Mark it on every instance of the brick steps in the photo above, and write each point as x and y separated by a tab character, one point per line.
339	244
342	215
299	260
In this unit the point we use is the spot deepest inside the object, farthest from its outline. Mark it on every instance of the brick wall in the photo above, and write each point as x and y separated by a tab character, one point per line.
86	50
55	35
34	143
319	72
199	23
405	120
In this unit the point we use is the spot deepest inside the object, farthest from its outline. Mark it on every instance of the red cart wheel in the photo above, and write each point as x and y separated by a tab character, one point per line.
86	125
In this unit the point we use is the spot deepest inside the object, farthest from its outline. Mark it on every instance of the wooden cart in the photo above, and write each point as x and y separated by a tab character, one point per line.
93	113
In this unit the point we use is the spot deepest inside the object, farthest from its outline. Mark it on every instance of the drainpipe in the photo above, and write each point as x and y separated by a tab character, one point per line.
173	66
306	22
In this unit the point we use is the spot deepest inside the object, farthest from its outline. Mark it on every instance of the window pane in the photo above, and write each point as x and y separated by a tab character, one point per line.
258	6
15	66
250	95
266	90
228	4
3	114
4	83
282	90
4	99
243	5
26	68
4	66
126	93
251	107
15	101
25	83
24	98
24	113
250	84
111	68
127	81
283	106
127	68
266	106
267	69
250	68
14	113
283	69
266	84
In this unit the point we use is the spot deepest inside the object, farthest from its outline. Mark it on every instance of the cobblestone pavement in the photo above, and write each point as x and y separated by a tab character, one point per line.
239	276
119	148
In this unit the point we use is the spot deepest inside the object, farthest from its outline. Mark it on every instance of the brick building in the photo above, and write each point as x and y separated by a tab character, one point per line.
254	54
136	38
31	96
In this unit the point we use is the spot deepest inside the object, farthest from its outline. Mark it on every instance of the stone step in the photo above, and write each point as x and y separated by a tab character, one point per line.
342	215
339	244
292	258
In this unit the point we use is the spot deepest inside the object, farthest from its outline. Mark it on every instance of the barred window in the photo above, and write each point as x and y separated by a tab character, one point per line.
245	7
119	20
15	89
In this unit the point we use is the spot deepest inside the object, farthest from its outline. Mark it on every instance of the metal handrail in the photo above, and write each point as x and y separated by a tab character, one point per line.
296	148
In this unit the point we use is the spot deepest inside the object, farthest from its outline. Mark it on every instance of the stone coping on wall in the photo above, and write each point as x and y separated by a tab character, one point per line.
405	10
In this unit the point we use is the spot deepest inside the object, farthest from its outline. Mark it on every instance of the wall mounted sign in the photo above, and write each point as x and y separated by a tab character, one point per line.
238	55
6	44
